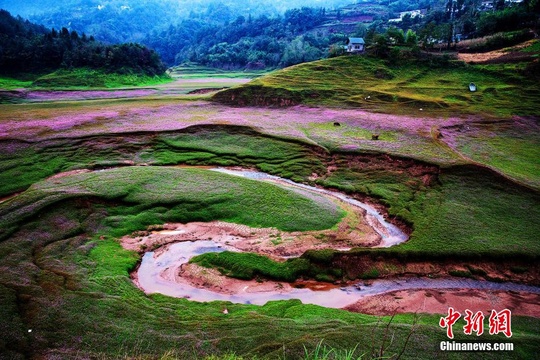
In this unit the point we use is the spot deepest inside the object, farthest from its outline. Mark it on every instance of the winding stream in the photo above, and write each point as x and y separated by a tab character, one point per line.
390	234
155	272
151	279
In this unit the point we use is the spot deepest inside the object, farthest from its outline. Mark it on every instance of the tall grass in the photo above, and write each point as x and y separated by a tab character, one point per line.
325	352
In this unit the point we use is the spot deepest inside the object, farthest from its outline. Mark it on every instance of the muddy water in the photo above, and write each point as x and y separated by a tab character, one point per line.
390	234
152	280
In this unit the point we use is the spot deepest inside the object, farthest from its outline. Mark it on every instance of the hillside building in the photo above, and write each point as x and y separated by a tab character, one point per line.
355	45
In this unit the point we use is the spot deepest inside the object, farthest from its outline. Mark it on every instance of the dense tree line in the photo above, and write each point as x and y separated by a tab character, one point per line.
26	47
118	21
297	36
215	35
253	41
467	19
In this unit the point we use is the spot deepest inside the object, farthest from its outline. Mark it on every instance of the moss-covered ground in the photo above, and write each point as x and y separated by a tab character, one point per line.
210	145
47	230
158	194
72	290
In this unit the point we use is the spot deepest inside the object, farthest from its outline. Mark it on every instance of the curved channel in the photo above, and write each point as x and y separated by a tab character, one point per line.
151	279
156	272
391	235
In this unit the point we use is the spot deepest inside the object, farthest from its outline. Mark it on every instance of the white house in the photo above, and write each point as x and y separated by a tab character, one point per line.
355	45
413	13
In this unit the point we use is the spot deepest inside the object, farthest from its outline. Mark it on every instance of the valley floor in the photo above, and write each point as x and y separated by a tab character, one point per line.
457	185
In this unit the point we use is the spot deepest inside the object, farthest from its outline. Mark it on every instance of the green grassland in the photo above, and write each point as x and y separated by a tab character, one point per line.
514	151
206	145
9	83
72	289
489	219
394	142
404	87
90	78
487	213
248	266
81	79
64	276
160	194
194	71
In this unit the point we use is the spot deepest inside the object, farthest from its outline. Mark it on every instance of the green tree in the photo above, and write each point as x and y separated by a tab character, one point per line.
395	35
360	30
411	39
380	45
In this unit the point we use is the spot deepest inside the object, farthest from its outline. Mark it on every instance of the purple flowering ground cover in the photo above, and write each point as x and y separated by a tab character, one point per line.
41	121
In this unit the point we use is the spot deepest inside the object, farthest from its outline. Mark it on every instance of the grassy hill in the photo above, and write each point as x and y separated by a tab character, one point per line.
85	78
433	86
65	277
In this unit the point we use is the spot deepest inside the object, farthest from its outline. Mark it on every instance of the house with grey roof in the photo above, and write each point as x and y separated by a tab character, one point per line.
355	45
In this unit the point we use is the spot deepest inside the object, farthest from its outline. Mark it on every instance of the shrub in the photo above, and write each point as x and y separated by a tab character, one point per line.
370	274
460	273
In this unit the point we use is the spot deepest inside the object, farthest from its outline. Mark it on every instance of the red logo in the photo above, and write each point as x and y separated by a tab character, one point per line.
474	323
499	322
449	321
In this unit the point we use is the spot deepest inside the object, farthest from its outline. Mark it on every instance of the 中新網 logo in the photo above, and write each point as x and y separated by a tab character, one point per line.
499	322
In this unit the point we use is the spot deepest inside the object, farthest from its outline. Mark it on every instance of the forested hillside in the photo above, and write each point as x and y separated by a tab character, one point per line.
255	34
131	20
26	47
260	41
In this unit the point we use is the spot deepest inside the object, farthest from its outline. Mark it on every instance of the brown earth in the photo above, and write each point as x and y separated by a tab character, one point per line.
265	241
356	265
438	302
352	231
512	54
